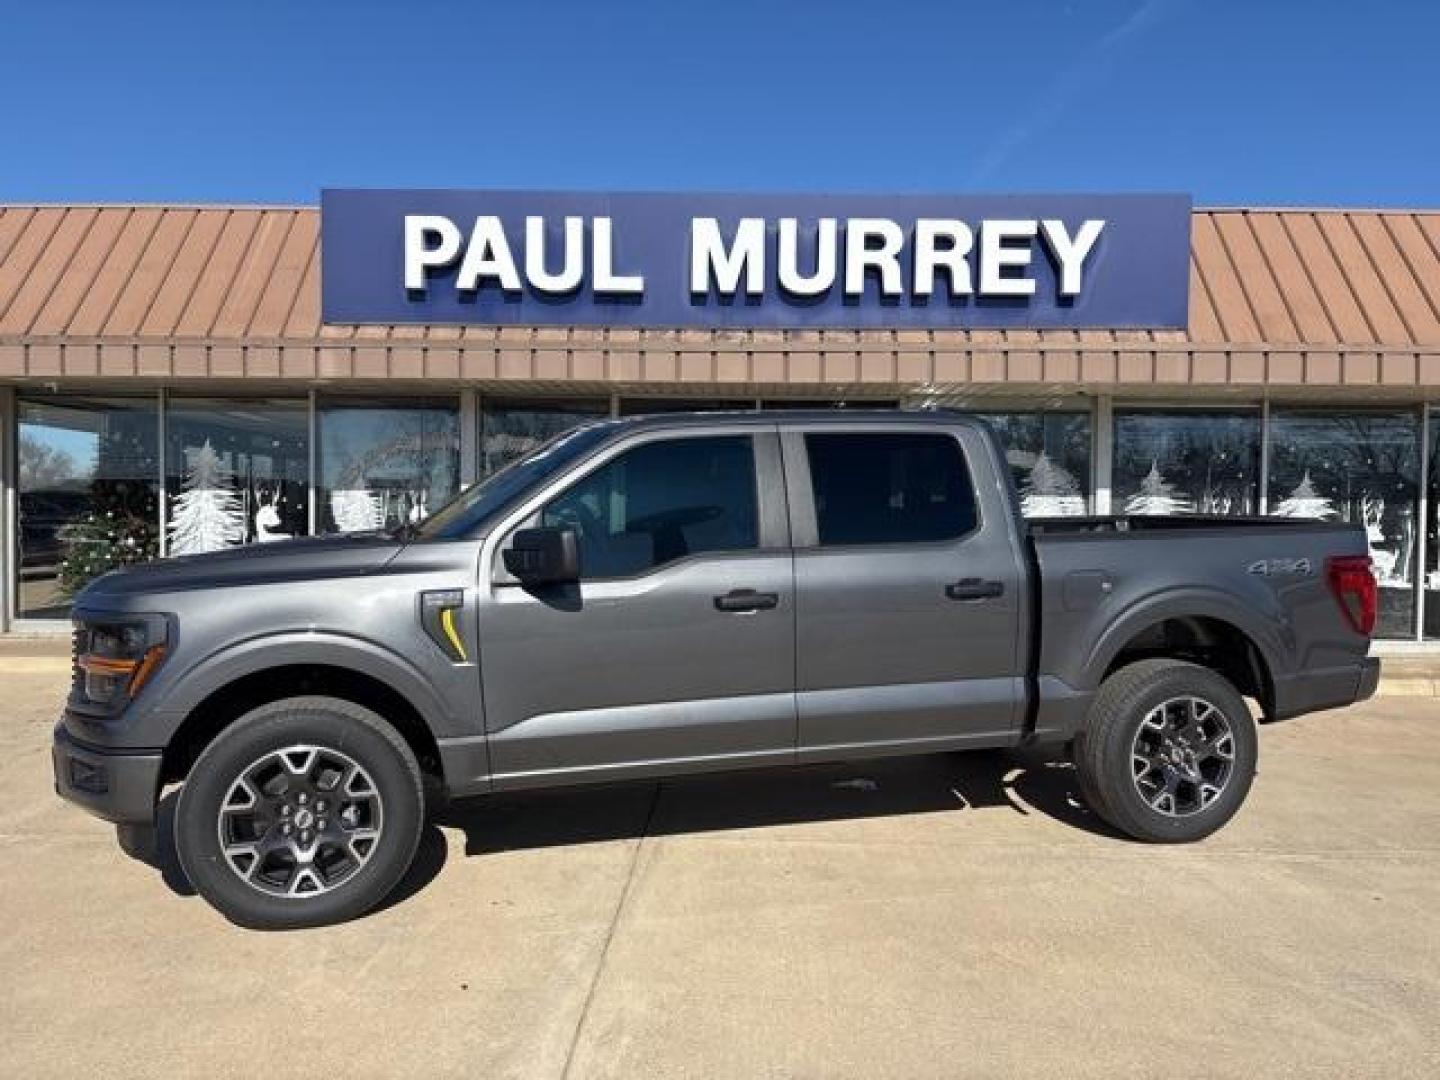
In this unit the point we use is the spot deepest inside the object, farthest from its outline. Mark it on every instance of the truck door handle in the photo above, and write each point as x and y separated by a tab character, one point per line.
972	588
747	600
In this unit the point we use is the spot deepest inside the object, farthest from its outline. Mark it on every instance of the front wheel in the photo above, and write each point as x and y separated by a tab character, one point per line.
303	812
1168	752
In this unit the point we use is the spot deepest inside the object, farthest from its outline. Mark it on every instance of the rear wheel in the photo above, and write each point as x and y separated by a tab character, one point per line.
303	812
1168	752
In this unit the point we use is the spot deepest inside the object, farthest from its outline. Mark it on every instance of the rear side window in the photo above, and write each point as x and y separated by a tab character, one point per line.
881	488
660	502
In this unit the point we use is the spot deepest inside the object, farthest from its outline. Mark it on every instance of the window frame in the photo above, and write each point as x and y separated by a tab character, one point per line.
800	487
773	528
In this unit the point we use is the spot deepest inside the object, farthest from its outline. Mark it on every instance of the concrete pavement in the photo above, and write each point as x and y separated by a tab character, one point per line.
950	916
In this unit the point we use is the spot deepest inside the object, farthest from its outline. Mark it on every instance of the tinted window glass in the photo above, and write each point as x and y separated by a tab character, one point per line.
660	502
889	489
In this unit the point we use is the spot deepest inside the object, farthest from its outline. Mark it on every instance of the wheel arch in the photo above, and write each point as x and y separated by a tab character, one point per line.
222	689
1220	642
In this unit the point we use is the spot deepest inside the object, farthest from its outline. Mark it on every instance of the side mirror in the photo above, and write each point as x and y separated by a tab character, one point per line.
544	556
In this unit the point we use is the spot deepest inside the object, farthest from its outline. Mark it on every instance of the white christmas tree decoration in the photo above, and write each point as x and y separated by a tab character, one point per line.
1157	497
1305	502
356	510
207	515
1050	491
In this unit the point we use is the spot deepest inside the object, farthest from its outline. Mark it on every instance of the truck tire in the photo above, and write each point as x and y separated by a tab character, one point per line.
1168	751
303	812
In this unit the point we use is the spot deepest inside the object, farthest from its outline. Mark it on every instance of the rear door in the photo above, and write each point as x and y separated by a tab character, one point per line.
909	588
676	649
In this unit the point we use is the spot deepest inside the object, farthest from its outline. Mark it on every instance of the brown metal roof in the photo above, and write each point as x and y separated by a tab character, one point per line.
1293	297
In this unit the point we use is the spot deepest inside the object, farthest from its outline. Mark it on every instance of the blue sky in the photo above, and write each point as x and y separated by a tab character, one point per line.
1254	102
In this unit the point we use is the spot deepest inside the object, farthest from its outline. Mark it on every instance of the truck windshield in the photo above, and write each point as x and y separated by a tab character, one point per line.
467	514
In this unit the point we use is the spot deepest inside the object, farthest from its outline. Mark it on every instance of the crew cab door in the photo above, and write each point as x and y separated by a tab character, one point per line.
676	649
909	588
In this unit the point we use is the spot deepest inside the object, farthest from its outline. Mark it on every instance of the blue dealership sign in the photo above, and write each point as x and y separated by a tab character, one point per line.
696	260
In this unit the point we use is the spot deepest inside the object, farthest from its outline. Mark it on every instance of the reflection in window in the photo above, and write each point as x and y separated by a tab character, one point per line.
1187	462
1049	456
660	502
88	478
511	427
386	464
237	472
1361	468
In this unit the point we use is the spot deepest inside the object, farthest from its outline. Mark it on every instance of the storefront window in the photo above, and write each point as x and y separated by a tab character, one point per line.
384	464
1432	529
1179	461
1049	456
237	472
88	479
1361	468
511	427
770	404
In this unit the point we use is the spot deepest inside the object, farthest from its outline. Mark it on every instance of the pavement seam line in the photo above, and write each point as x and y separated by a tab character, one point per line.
610	933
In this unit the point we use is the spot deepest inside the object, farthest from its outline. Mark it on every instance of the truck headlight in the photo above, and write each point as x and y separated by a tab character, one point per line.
115	659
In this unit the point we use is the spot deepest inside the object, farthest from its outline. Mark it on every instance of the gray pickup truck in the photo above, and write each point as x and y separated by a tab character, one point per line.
664	595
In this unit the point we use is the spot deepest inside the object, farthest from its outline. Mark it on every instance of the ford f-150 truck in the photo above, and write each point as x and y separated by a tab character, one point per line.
664	595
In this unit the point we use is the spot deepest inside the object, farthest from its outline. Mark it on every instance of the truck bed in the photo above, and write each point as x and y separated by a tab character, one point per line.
1103	583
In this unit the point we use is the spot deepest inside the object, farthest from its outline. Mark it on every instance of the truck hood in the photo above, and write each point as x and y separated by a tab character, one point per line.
305	559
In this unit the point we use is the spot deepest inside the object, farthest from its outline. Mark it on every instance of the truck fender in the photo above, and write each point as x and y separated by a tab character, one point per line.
188	689
1268	631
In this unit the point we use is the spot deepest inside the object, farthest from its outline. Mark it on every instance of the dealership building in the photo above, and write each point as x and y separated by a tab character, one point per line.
181	378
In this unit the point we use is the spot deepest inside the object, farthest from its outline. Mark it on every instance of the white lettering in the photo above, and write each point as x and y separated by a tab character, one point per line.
572	268
420	254
606	280
826	240
709	261
860	256
1070	252
488	256
958	239
995	257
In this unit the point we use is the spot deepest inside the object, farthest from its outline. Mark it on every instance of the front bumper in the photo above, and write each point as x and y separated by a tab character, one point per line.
119	787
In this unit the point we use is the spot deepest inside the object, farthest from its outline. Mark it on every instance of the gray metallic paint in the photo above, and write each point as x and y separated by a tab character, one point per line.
863	654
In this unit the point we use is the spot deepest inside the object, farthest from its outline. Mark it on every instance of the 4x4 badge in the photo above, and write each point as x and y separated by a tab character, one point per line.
1279	567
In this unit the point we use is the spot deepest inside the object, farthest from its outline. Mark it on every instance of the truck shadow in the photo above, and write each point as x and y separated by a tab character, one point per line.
1021	782
1027	783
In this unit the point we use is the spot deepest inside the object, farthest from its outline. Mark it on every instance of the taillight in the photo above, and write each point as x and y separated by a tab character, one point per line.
1353	585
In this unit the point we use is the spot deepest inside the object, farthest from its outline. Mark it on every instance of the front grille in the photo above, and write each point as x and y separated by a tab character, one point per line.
77	646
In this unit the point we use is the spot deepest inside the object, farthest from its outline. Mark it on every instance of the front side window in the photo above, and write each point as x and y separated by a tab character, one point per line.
660	502
879	488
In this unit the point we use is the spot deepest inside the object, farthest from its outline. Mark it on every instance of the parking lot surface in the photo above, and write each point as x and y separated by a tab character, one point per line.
950	916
